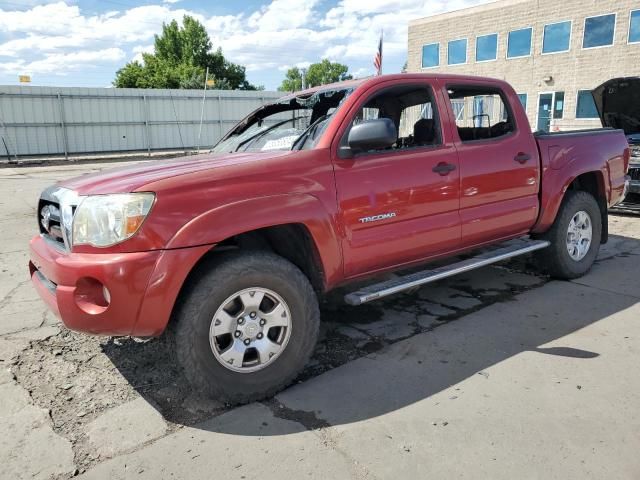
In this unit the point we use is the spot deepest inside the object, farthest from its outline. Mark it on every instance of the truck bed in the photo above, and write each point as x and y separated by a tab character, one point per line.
565	156
574	133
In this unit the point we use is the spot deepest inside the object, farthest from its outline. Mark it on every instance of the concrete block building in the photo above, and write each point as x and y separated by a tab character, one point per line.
552	52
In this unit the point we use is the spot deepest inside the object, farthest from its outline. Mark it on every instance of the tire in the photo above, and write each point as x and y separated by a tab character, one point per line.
556	259
208	364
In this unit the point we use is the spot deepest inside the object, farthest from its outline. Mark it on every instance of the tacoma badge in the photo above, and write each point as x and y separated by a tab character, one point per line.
375	218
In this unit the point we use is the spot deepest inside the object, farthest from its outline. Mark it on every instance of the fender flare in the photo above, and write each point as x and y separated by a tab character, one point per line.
550	207
235	218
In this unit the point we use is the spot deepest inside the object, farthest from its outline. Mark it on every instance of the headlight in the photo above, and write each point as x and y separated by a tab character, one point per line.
104	220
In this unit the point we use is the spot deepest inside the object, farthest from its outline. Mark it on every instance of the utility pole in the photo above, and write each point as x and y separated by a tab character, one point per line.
303	72
204	97
5	136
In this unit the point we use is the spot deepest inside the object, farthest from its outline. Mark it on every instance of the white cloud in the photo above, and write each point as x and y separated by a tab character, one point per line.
82	59
284	68
362	72
59	19
283	15
279	34
139	50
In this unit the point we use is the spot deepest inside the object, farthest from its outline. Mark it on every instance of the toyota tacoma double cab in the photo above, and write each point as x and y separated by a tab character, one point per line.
231	250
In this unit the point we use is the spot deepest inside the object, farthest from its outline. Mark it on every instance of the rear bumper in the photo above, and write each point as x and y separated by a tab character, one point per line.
141	287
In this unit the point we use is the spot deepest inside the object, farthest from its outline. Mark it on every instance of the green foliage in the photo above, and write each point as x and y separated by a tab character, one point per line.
292	81
180	59
317	74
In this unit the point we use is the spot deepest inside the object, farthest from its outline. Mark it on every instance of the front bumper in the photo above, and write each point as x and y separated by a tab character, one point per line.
71	285
141	287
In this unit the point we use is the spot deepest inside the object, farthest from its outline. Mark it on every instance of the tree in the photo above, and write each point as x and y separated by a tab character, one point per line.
292	81
180	59
317	74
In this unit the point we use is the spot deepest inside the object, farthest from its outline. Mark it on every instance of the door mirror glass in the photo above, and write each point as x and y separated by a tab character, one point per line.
372	135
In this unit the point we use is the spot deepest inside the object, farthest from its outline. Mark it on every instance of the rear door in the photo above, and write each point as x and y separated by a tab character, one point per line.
499	163
394	207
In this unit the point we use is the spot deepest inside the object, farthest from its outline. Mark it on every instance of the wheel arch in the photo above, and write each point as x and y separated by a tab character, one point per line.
294	242
305	235
590	181
593	183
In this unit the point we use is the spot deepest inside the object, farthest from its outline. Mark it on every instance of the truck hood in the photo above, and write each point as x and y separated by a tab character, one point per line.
134	177
618	104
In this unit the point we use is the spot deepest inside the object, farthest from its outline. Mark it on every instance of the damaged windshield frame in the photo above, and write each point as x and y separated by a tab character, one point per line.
263	129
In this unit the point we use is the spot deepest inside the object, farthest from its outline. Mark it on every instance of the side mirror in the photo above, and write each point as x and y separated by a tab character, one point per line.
372	135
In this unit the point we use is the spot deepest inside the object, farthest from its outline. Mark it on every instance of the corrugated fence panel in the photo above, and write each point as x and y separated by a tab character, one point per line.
51	120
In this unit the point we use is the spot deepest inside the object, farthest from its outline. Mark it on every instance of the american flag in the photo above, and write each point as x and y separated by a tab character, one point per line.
377	61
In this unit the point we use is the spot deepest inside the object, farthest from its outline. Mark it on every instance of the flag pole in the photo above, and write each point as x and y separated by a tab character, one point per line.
377	60
381	42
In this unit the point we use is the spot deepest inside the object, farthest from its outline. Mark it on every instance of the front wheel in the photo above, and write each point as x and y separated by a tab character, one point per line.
246	326
575	237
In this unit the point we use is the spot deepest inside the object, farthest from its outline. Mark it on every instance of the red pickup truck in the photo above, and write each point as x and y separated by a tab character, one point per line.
342	182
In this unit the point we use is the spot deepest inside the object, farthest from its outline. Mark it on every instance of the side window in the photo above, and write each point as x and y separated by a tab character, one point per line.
412	110
480	113
364	114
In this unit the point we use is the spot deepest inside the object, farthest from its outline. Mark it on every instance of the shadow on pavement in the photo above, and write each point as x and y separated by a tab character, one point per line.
415	368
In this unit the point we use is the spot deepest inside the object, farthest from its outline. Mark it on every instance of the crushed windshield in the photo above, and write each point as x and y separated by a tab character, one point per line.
294	123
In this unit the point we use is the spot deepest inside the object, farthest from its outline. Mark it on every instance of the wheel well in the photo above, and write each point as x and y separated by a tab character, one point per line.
290	241
593	183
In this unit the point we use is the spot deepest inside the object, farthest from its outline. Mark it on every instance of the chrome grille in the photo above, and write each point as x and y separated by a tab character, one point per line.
55	214
49	220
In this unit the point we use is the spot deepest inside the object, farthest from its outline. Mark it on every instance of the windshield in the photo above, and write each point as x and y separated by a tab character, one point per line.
294	123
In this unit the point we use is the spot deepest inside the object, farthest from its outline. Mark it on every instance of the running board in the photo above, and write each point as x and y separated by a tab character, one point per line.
505	250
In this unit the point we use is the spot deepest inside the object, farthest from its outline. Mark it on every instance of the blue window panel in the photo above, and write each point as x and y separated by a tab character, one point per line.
586	107
634	27
487	47
457	52
519	43
598	31
557	37
431	55
523	100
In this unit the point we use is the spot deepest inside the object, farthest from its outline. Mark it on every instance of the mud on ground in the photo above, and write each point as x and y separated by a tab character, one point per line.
77	377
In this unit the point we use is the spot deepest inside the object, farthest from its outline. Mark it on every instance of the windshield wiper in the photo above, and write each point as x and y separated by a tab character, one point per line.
259	134
303	137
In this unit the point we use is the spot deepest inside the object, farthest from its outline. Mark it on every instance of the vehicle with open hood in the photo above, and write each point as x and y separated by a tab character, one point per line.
618	105
337	185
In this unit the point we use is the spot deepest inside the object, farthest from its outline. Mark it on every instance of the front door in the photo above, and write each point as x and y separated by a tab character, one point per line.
394	207
545	103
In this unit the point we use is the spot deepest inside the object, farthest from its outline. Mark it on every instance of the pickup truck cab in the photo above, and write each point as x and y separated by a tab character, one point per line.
232	249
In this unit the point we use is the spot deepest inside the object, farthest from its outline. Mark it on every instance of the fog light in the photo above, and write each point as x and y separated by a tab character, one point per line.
91	295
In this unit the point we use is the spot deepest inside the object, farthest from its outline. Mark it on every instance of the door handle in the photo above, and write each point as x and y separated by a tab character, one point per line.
444	168
522	157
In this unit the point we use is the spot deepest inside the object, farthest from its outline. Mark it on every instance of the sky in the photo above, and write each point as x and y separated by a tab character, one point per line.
84	42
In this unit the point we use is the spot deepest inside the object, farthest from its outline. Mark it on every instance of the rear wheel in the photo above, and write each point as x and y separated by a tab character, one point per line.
574	236
246	327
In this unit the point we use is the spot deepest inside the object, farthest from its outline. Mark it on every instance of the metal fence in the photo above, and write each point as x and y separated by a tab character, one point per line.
67	121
